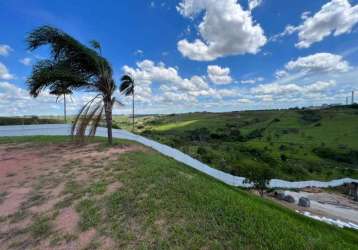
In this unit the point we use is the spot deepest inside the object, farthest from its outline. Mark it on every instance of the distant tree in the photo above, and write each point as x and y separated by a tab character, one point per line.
127	88
62	91
260	178
75	67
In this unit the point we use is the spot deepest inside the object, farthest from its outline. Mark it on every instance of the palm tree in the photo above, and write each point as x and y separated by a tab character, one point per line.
96	45
62	91
127	88
74	66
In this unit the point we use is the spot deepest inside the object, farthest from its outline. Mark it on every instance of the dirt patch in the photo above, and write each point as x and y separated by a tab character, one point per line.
13	200
33	179
113	187
67	221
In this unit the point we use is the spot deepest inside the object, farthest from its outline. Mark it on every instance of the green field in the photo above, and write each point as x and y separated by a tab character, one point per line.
163	204
295	144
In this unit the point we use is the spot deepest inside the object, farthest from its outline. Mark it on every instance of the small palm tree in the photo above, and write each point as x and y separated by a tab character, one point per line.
127	88
74	66
62	91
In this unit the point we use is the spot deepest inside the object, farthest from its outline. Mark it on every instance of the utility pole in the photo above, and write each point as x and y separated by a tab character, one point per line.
346	100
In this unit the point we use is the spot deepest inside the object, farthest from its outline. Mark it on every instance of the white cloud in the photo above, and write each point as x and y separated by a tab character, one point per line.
26	61
319	62
244	100
281	74
305	15
289	29
276	89
252	81
138	52
170	82
226	29
319	86
5	49
15	100
4	73
254	3
218	75
335	18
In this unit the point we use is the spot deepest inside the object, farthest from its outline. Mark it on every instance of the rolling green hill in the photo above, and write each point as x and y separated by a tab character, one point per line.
295	144
161	204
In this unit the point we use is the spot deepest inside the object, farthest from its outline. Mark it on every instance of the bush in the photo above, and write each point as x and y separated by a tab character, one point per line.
202	151
200	134
347	156
283	157
257	133
310	116
235	134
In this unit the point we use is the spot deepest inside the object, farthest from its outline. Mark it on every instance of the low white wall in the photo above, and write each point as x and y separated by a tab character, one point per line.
63	129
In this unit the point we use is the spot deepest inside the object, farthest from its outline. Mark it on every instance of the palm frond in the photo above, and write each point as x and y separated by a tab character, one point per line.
95	122
83	111
127	85
85	62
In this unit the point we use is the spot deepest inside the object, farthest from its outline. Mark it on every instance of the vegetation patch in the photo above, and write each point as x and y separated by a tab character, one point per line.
89	214
295	144
40	227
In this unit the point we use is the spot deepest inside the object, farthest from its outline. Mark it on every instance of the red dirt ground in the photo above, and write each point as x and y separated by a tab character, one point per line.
32	181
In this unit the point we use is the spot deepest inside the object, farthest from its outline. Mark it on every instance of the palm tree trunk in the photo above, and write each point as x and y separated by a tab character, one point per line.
64	107
108	111
133	112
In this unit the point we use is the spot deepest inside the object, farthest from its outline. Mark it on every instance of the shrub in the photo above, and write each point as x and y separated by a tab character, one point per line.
235	134
257	133
318	124
202	151
310	116
347	156
200	134
276	120
283	157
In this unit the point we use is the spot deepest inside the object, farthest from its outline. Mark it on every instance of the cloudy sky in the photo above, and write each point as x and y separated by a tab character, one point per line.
194	55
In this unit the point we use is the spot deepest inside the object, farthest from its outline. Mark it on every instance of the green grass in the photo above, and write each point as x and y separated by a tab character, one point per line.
98	187
89	214
40	227
164	204
287	145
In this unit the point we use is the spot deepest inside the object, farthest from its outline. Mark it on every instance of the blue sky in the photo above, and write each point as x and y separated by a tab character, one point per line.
194	55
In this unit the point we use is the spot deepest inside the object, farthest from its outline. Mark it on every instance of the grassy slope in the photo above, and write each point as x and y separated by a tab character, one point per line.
285	134
164	204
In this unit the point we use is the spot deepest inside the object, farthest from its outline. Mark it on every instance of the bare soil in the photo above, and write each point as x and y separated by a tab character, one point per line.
34	183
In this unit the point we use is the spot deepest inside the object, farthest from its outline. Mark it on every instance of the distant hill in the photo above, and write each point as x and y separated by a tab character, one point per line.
297	143
28	120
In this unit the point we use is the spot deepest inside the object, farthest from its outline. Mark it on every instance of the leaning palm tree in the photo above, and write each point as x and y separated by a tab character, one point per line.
75	67
62	91
127	88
